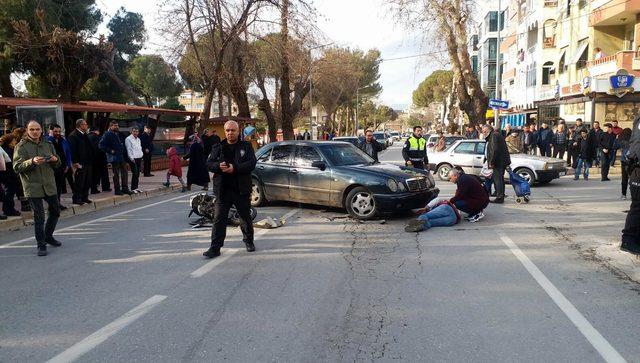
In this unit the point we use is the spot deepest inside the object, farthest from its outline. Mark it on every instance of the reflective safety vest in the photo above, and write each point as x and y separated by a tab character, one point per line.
417	149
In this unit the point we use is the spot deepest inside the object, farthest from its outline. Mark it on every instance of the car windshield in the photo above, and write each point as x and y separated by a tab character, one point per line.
379	136
342	155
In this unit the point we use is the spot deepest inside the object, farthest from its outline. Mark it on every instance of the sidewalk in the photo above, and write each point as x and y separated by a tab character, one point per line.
150	187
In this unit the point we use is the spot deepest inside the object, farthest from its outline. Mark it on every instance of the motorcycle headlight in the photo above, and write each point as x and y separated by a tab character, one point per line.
393	185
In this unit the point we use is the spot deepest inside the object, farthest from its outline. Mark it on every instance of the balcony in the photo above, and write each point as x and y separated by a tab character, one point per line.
612	12
607	66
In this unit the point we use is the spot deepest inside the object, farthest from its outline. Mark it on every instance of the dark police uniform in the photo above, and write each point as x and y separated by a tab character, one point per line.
415	150
631	232
232	189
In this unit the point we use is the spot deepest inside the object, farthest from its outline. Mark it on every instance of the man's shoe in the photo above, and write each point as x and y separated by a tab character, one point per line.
42	251
250	246
414	225
167	184
497	201
630	247
78	202
106	190
127	191
476	218
87	201
118	193
212	252
54	242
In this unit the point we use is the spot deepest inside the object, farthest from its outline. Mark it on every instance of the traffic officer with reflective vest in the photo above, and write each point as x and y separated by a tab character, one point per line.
414	151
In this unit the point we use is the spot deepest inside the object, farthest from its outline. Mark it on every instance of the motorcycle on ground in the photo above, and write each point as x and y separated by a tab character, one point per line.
202	205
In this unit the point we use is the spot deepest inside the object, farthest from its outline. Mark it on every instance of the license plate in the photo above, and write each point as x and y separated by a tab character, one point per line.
563	173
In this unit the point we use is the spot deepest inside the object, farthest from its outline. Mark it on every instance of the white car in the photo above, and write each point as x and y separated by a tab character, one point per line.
469	155
395	135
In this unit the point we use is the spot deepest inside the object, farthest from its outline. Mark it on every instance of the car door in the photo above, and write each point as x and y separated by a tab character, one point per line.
464	156
274	172
479	159
309	184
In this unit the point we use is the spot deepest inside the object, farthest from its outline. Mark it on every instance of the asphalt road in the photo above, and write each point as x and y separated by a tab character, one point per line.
130	284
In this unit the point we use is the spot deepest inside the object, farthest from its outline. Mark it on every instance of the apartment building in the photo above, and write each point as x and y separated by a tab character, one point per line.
194	101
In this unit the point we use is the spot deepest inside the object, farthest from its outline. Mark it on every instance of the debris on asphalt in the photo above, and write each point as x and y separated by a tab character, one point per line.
269	223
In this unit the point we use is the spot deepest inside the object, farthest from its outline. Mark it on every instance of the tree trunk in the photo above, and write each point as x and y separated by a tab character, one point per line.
6	88
208	101
220	104
285	89
108	68
229	106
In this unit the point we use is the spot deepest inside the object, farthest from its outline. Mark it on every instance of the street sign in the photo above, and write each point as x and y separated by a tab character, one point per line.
493	103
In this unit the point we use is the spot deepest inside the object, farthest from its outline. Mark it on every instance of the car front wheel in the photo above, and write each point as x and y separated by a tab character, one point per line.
257	194
360	204
443	171
527	175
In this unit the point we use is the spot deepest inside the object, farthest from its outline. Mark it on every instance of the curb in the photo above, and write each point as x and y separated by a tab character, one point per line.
622	263
26	220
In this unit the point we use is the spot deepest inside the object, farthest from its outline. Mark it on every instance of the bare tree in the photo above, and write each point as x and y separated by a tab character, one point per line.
449	19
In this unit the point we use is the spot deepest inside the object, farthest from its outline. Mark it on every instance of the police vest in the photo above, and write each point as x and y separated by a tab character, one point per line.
417	148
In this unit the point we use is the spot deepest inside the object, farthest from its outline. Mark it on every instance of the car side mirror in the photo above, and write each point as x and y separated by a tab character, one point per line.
319	164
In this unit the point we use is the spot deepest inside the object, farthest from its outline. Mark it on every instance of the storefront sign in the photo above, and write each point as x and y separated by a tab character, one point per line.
570	90
621	83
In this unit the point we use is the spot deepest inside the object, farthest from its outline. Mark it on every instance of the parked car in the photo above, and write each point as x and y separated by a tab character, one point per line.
395	135
469	155
350	139
382	138
337	174
432	141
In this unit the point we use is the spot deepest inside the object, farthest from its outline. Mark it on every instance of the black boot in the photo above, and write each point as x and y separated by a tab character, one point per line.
54	242
250	246
42	250
212	252
630	247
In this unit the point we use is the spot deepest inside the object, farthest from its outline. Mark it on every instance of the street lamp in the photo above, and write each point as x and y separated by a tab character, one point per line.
311	87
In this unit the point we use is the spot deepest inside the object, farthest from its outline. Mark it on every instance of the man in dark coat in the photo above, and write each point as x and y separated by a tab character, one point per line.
99	168
209	139
370	145
232	162
631	231
594	140
606	145
113	147
498	159
81	158
471	197
147	151
545	139
61	145
197	172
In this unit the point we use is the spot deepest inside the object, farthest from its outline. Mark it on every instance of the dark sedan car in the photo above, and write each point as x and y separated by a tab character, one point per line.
337	174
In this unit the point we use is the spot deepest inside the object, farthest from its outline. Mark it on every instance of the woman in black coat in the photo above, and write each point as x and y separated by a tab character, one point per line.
197	173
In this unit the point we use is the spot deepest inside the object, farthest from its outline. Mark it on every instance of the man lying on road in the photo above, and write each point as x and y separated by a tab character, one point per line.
438	213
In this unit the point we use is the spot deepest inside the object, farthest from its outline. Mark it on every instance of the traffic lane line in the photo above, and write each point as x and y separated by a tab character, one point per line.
87	344
600	343
7	245
228	253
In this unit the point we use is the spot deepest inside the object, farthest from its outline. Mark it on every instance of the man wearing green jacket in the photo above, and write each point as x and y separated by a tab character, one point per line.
34	160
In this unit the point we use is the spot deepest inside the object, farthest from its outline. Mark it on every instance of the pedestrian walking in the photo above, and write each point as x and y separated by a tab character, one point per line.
625	140
572	150
471	196
414	151
35	160
631	232
63	151
606	141
545	140
99	167
134	155
498	160
112	146
559	142
232	162
81	158
146	140
175	168
585	155
370	145
197	172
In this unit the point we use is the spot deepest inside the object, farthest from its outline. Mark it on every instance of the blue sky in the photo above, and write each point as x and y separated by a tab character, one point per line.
360	24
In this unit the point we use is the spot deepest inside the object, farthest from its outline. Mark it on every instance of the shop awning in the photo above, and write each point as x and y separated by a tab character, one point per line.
582	46
515	120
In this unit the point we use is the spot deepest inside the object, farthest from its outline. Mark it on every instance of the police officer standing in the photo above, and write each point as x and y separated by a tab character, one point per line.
414	151
232	162
631	232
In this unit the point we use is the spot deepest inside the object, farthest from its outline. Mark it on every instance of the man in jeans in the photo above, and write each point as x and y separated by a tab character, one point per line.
35	160
498	160
113	148
438	213
584	155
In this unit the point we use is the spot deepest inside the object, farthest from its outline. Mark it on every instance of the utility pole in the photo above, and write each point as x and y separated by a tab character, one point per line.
496	111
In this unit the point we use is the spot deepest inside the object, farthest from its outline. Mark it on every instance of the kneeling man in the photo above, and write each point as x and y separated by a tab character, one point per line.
471	196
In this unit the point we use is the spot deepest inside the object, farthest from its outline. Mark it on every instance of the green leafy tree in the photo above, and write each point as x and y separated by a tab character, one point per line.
435	88
152	77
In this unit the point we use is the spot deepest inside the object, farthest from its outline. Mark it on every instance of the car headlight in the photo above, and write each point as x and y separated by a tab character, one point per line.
393	185
402	187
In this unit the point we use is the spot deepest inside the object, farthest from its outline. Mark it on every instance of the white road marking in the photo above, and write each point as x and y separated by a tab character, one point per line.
227	253
97	338
6	245
606	350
